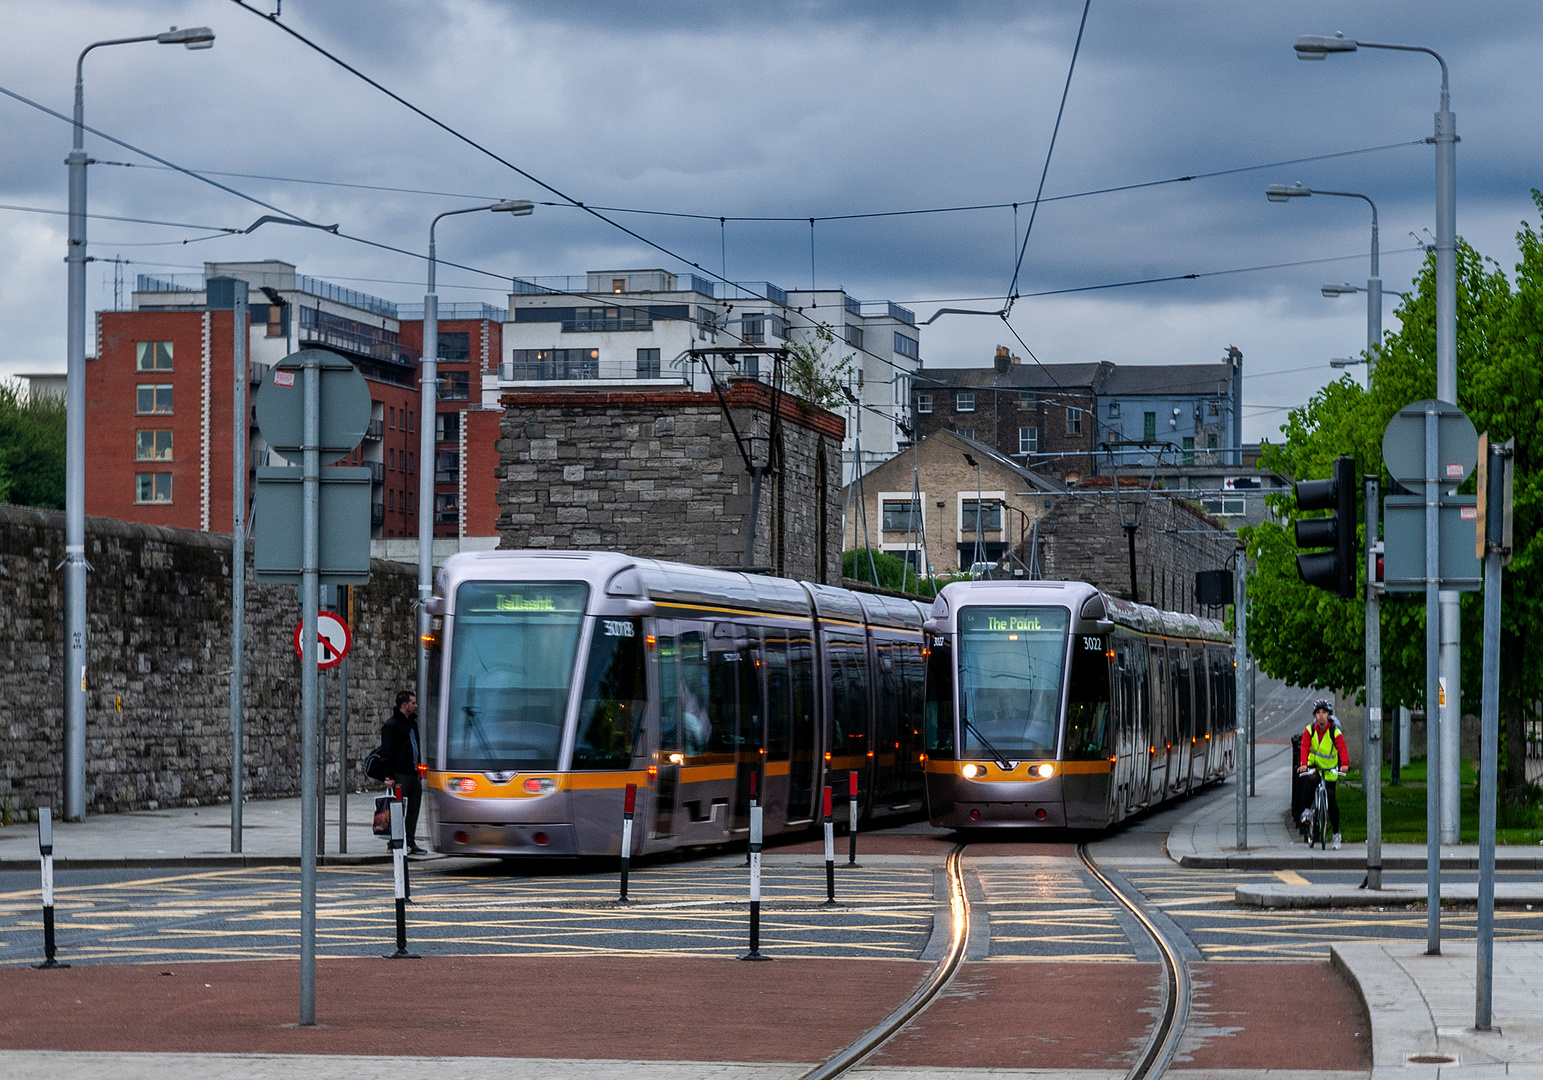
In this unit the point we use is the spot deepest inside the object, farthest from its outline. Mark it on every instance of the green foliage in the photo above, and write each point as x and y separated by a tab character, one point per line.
31	449
1308	637
893	572
811	376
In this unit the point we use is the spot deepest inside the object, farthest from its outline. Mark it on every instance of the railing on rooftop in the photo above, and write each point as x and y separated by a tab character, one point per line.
329	291
550	283
565	368
853	304
891	309
749	290
146	283
699	284
462	310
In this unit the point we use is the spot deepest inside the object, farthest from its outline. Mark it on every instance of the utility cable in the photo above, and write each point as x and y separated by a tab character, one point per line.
115	217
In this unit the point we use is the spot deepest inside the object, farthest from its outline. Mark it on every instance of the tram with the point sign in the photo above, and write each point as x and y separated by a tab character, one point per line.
557	679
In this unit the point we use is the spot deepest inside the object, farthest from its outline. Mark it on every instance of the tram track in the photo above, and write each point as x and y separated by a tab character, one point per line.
1163	1042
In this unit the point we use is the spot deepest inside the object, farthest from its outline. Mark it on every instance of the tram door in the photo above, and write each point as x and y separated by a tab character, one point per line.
847	734
1184	717
668	757
748	735
1159	739
1200	751
803	743
777	681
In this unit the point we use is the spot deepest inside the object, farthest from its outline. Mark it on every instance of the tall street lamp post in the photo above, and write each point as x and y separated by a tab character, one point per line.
1443	679
430	375
1287	192
198	37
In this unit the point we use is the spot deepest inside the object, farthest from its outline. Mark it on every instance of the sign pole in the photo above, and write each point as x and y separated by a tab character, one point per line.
1240	691
1371	730
343	736
238	562
1432	690
310	601
1494	465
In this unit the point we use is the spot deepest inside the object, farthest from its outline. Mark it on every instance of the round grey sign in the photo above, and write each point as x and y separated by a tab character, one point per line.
1403	444
344	405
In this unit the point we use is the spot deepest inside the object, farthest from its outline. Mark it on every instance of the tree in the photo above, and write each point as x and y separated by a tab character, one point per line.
31	448
1307	637
809	375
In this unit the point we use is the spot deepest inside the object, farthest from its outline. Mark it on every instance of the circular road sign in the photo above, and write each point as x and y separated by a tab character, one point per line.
1403	444
345	405
332	640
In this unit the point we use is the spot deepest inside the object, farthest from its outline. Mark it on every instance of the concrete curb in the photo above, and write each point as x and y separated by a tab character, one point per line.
1401	1019
1281	895
194	862
1350	860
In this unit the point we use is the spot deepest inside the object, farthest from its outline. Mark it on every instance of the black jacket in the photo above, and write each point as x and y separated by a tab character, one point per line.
399	743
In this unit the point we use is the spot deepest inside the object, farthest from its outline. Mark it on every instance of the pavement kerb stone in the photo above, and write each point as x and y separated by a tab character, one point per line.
1351	860
1281	895
200	862
1401	1020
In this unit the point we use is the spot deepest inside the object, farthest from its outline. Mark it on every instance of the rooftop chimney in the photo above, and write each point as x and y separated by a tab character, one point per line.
1004	359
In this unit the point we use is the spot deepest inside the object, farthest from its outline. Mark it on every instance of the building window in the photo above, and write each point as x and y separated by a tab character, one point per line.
1073	420
964	401
447	427
648	363
1225	506
456	346
754	330
1189	449
409	419
1027	399
153	399
456	386
990	515
446	512
391	459
1210	442
751	365
924	403
1148	426
854	336
907	346
152	487
1114	410
409	463
447	466
901	516
1028	440
393	416
391	500
618	284
152	445
965	432
152	356
1214	409
553	364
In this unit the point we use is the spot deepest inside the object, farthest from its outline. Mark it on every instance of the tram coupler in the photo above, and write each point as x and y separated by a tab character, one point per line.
399	872
46	866
755	886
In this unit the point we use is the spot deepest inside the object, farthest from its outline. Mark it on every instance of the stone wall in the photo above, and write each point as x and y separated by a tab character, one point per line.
1081	539
157	683
658	474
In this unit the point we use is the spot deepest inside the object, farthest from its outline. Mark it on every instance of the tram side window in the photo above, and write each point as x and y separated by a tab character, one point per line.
851	698
694	693
615	696
1202	708
723	701
668	652
748	732
1180	685
1087	702
912	688
779	710
938	717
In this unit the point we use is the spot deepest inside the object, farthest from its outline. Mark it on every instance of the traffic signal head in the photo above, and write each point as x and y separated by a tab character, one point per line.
1334	569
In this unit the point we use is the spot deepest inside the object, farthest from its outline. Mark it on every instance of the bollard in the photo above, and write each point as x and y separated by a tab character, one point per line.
753	804
46	851
852	819
399	865
626	837
755	886
830	851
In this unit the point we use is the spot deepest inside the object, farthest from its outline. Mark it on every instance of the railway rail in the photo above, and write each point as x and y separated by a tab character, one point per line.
1161	1045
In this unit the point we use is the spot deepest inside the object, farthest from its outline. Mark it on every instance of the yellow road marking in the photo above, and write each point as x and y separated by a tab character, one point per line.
1291	877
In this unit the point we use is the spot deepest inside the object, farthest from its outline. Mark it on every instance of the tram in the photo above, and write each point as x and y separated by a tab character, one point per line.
1052	704
559	678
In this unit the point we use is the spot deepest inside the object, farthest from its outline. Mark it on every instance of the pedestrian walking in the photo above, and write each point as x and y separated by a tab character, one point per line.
402	751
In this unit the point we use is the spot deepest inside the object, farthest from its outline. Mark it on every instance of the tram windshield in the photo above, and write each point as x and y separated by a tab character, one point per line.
1010	664
512	656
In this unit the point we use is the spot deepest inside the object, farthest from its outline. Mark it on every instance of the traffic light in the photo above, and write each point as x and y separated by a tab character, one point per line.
1333	570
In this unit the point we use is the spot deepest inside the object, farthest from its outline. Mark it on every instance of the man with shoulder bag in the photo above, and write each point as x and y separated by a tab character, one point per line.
400	751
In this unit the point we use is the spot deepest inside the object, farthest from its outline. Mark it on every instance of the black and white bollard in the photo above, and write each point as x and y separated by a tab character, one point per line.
755	885
626	837
852	818
399	866
830	850
753	804
46	851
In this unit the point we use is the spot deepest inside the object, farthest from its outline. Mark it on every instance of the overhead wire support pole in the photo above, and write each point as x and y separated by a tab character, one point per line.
1240	690
1371	729
1433	748
310	602
239	423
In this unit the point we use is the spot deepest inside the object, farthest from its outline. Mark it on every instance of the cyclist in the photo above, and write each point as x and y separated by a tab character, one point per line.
1324	752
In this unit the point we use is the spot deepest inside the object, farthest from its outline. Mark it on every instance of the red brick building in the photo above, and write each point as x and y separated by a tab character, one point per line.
159	401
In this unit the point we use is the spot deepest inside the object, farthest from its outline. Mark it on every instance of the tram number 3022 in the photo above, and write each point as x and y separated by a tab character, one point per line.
1093	644
617	628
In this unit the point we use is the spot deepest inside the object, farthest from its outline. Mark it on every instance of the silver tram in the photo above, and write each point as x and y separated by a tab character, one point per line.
1052	704
559	678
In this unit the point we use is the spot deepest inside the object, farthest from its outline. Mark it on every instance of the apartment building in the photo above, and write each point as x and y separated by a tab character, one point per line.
160	390
647	329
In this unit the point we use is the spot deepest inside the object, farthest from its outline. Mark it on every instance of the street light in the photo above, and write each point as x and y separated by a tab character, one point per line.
430	373
200	37
1346	361
1373	290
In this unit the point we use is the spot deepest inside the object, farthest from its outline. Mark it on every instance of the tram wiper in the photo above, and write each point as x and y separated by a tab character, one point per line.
996	755
472	723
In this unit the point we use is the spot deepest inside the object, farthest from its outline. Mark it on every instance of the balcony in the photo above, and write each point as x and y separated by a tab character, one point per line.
590	366
377	513
374	432
377	472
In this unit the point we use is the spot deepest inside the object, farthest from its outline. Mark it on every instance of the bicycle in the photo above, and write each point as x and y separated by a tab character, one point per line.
1315	819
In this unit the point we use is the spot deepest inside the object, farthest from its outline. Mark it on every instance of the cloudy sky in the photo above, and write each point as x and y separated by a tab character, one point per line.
793	110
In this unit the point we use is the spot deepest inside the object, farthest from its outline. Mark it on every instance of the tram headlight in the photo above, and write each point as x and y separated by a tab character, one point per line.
540	785
1042	771
973	771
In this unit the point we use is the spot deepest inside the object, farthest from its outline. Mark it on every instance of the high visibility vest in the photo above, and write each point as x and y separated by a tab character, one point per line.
1322	754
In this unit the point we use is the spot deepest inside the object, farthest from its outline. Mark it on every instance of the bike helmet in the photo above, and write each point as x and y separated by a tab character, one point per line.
1324	704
